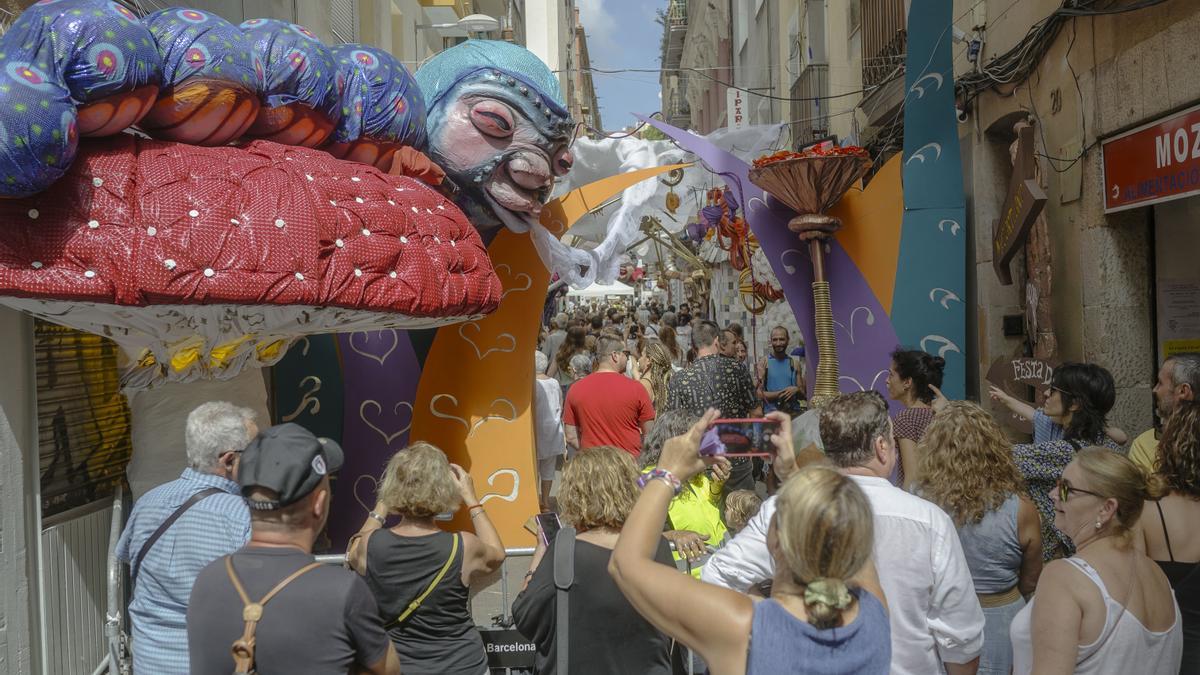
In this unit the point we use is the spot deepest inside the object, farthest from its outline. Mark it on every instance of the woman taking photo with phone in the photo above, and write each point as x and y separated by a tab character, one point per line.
606	633
417	562
824	611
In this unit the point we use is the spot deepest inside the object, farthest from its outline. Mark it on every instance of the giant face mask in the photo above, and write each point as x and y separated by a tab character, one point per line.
498	127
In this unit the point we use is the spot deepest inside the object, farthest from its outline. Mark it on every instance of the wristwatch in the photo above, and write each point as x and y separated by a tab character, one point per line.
378	518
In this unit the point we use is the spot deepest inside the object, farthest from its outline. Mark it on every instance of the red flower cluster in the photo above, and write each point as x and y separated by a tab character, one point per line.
815	151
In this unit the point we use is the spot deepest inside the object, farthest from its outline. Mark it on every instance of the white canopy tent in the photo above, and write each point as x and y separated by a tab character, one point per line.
601	290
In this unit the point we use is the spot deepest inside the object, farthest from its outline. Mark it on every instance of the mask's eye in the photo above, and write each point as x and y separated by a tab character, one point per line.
563	162
493	118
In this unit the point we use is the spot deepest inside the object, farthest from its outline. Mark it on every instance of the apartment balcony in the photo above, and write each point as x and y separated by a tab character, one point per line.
678	112
676	30
811	117
884	48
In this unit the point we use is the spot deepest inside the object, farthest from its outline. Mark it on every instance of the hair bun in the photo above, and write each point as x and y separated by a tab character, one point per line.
937	363
829	592
1156	487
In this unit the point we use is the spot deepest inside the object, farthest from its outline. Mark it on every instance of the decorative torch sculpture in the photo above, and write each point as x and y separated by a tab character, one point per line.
810	183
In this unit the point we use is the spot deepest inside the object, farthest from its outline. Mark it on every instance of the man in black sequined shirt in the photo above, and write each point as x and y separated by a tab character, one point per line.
716	381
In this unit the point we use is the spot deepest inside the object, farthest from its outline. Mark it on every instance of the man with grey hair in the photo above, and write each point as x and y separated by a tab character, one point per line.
558	333
1178	380
936	621
179	527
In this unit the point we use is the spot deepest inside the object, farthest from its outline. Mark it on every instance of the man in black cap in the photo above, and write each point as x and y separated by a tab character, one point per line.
270	602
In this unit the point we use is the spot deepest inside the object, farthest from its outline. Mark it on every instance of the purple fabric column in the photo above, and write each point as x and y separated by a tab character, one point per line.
380	371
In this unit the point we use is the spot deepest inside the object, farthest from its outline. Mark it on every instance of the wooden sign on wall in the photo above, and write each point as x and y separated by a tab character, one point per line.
1021	208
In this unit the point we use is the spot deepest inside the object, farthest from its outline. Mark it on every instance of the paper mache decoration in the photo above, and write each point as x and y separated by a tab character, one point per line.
382	108
301	104
201	261
498	127
212	78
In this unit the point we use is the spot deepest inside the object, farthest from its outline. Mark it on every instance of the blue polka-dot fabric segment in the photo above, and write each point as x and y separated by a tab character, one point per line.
95	48
38	137
196	44
380	98
298	66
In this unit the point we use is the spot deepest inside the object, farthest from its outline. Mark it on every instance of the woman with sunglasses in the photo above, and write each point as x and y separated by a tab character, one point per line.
1168	531
1108	608
1080	396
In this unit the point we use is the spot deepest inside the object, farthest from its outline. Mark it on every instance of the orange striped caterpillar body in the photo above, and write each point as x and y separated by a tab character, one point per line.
367	151
202	112
112	114
292	124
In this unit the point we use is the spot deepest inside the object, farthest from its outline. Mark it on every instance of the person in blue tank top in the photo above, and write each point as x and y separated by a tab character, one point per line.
780	380
826	614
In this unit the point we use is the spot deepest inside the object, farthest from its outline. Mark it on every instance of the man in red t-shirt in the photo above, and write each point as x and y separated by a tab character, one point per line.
606	407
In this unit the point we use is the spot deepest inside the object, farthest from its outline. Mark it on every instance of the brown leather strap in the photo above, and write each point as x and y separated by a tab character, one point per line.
288	580
243	648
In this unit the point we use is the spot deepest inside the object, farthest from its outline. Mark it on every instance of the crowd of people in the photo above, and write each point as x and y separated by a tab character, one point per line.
903	534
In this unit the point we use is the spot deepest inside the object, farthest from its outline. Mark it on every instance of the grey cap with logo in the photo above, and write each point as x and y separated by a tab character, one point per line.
288	460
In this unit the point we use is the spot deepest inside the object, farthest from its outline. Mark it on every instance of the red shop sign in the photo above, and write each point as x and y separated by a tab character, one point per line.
1153	163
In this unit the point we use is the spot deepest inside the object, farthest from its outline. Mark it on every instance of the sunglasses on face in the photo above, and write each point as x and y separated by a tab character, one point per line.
1065	489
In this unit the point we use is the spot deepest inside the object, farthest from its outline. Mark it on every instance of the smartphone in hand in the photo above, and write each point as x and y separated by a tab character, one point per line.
548	526
745	437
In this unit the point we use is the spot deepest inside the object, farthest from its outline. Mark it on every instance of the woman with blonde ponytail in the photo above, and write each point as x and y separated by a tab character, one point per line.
1168	530
826	612
1109	608
654	371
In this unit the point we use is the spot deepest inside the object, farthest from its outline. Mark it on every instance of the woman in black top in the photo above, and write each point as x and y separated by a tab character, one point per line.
607	635
416	562
1169	531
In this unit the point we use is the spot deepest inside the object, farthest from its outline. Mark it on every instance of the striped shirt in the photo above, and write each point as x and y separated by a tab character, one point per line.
213	527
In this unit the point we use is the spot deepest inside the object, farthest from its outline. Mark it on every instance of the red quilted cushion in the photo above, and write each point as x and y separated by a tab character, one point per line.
142	222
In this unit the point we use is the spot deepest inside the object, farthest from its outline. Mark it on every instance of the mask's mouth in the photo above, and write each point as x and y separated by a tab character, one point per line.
518	188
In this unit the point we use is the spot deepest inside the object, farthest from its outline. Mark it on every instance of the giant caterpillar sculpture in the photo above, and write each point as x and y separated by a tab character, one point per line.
275	201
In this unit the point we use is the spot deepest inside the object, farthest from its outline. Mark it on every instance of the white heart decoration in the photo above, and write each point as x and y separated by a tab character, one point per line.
480	422
514	289
387	438
512	495
437	413
369	355
374	491
481	355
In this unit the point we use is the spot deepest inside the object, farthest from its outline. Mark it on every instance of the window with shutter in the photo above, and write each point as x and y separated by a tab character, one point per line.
343	20
83	418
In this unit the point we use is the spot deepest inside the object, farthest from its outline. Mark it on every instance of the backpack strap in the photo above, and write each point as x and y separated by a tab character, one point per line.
166	525
243	647
564	578
412	606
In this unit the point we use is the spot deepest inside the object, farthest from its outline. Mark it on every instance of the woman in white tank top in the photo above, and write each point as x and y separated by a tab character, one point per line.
1108	609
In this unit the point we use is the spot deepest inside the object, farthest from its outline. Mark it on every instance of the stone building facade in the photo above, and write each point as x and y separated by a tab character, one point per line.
1107	273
